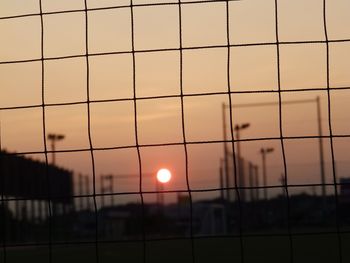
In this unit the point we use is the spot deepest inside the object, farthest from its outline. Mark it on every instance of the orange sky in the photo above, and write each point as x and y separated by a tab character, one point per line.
158	74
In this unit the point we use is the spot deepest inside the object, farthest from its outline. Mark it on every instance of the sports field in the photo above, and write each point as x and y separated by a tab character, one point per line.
306	249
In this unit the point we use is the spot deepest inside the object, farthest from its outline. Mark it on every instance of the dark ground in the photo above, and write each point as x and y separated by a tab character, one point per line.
306	249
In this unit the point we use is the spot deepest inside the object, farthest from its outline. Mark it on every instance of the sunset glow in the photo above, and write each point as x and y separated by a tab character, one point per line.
163	175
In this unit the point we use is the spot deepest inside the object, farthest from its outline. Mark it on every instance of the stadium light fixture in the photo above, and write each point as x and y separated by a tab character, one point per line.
264	152
241	178
54	138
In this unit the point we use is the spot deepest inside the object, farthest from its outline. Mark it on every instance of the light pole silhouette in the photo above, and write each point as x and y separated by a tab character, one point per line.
109	188
241	179
237	128
264	152
54	138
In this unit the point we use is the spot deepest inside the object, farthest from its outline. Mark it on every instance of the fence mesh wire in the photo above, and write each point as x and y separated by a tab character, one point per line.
243	206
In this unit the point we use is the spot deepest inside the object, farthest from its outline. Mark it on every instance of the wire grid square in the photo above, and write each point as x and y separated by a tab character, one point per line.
54	29
13	38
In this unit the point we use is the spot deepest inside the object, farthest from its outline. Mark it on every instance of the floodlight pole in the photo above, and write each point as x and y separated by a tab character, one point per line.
257	183
241	181
111	187
237	128
224	128
54	138
87	189
319	122
263	152
251	181
102	191
221	173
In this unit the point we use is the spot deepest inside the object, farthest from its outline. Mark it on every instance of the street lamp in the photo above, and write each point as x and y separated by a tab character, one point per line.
263	152
54	138
241	178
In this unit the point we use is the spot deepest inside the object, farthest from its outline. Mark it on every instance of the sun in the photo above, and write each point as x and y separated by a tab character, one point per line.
163	175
